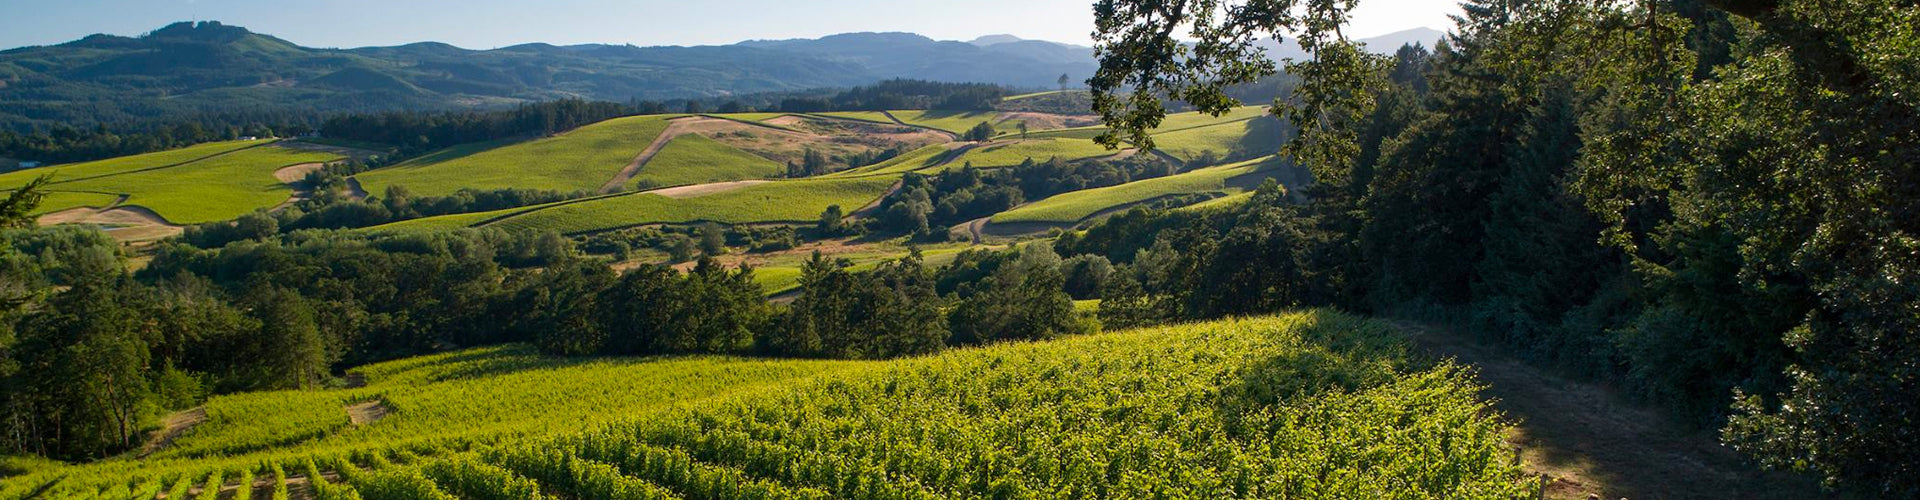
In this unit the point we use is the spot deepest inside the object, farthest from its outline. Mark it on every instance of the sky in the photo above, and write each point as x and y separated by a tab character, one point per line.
485	24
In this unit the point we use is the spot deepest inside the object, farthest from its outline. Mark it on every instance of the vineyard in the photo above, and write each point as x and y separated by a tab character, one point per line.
1306	405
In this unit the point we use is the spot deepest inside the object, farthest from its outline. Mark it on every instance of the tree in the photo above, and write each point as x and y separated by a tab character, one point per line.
17	209
979	133
1064	81
887	312
291	351
713	240
1020	300
832	222
1023	129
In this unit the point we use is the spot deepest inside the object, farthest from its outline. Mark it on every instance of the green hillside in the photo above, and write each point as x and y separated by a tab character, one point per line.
779	201
1013	152
581	159
55	201
1247	138
203	183
951	121
1073	207
696	159
124	164
1305	405
217	188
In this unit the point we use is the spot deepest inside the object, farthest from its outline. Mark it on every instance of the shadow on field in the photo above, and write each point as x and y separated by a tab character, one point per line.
1590	440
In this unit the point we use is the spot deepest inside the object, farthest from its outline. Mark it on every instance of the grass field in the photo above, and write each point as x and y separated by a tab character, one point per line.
696	159
196	188
779	201
1076	206
55	201
907	162
1031	95
216	188
1039	150
581	159
77	171
440	223
1306	405
1174	122
952	121
1256	137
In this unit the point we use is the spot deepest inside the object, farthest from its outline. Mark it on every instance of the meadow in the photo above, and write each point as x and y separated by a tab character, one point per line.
910	161
1013	152
1252	137
581	159
794	201
215	188
1073	207
1313	404
951	121
172	157
55	201
696	159
1174	122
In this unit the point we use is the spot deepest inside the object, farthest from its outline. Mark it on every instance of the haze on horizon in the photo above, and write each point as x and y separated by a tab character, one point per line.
484	24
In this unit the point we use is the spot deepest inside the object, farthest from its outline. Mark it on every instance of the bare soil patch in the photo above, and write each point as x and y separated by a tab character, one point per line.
834	138
1587	439
354	191
1047	121
297	174
697	190
367	412
123	222
172	427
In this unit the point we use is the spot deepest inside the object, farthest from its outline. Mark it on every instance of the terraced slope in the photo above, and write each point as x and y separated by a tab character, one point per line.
578	160
1306	405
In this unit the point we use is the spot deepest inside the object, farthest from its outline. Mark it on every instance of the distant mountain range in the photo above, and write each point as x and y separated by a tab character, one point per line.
208	67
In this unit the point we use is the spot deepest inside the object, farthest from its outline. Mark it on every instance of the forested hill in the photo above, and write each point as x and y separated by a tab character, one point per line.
186	69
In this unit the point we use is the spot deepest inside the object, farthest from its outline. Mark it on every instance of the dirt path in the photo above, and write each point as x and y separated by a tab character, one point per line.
172	427
975	229
675	127
1588	439
704	189
367	412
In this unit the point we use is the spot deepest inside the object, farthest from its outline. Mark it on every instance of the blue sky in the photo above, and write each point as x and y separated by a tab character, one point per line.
486	24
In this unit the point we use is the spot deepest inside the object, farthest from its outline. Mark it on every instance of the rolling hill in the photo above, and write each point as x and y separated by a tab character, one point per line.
202	183
188	68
